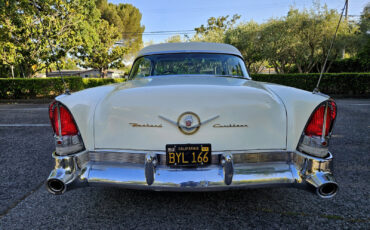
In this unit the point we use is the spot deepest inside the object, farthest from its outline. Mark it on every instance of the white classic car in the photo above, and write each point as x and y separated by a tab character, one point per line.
191	119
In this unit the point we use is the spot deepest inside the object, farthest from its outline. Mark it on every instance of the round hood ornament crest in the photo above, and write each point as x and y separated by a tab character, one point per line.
188	123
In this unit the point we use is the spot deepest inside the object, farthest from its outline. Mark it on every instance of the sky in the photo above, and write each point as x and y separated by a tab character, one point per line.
184	15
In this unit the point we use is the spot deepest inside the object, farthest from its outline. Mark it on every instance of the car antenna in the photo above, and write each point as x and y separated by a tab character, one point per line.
316	90
38	9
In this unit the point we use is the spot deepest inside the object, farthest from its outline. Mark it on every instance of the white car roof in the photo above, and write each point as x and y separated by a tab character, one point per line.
189	47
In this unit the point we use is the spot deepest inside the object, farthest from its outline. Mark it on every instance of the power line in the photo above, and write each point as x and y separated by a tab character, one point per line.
171	33
161	32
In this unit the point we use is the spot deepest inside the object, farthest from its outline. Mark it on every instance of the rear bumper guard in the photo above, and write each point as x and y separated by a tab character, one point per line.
232	170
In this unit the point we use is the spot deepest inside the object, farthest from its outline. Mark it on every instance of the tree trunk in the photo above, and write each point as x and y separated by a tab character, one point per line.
20	66
328	66
299	68
12	68
101	70
282	67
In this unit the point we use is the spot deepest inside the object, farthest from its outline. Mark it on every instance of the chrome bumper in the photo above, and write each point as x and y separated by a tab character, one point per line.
230	170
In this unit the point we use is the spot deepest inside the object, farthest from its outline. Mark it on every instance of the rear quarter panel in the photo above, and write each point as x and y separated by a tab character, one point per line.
82	105
299	105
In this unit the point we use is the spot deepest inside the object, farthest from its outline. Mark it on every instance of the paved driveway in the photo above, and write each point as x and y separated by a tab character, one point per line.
26	144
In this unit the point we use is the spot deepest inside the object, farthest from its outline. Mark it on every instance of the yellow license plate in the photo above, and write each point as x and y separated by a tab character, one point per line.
188	154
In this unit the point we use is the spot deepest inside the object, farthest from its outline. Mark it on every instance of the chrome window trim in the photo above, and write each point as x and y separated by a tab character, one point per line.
188	51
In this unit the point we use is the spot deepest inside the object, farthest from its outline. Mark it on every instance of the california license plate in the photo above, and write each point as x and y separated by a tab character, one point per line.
188	155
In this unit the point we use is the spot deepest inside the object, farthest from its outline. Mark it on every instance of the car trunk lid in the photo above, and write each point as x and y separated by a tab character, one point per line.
248	116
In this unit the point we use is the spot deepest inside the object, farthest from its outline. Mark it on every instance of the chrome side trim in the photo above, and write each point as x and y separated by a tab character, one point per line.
323	135
138	157
119	157
213	152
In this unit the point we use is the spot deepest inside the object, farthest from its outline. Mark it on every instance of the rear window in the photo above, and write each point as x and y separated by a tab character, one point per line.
189	64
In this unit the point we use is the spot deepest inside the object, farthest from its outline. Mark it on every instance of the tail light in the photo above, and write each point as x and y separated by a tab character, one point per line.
67	137
315	137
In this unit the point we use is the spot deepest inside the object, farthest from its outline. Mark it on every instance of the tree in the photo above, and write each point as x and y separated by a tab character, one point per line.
174	38
127	19
247	38
276	42
67	63
99	51
301	40
346	37
364	52
37	34
215	29
30	27
298	42
8	51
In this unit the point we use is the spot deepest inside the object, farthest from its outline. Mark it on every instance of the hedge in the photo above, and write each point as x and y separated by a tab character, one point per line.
30	88
356	84
354	64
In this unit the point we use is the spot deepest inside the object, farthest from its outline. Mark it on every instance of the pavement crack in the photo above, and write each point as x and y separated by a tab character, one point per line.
15	203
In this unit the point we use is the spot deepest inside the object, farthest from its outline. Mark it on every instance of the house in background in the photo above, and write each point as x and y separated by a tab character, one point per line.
91	73
267	70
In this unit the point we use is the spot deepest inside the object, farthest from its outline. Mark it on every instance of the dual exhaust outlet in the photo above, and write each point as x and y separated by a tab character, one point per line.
327	190
56	186
324	184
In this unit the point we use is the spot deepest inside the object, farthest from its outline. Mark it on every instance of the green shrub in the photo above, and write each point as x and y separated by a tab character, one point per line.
349	65
27	88
94	82
331	83
356	84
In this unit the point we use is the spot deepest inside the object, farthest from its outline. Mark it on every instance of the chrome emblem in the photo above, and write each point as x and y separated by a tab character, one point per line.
188	123
188	120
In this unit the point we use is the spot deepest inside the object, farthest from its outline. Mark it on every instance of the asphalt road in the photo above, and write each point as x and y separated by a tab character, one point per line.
26	144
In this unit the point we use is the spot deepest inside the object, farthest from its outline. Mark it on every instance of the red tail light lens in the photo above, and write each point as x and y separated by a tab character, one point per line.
67	124
315	125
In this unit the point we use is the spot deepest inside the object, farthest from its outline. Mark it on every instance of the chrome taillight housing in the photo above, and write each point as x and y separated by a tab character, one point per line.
67	136
316	135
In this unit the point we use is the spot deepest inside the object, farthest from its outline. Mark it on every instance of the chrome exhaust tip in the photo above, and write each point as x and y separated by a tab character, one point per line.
56	186
327	190
324	184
